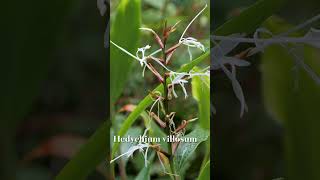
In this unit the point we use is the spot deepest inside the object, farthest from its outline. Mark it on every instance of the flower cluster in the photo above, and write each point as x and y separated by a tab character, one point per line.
159	111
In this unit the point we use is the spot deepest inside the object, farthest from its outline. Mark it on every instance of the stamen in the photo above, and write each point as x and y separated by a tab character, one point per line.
124	50
192	22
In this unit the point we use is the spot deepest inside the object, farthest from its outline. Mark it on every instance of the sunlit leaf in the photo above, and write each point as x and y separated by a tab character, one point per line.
201	92
126	35
185	149
205	172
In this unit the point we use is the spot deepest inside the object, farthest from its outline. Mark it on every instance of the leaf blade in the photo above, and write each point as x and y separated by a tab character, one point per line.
185	149
296	107
251	18
201	92
205	172
88	157
126	35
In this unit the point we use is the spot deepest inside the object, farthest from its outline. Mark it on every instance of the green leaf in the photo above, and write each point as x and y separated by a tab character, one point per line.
205	172
185	150
126	35
88	157
134	132
201	92
144	174
296	106
251	18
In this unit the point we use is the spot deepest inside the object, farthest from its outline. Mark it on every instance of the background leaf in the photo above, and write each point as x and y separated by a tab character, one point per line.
27	47
296	106
126	35
88	157
251	18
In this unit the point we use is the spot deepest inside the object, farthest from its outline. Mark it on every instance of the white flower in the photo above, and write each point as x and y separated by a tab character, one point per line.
192	42
219	60
142	59
142	51
143	147
178	79
182	79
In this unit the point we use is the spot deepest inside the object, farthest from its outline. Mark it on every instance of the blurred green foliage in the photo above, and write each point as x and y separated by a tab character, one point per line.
51	69
292	97
255	146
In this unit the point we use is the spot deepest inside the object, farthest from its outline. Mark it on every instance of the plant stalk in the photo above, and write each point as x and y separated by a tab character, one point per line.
166	107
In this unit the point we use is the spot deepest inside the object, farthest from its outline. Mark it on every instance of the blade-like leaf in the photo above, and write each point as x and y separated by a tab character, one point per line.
88	157
127	36
201	92
293	97
205	172
185	149
251	18
144	174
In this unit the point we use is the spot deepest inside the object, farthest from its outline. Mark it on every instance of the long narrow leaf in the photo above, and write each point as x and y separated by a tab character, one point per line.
250	19
88	157
126	35
201	92
293	98
205	172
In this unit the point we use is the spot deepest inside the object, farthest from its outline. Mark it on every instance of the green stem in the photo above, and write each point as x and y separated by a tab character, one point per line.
165	91
166	108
